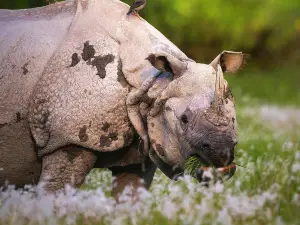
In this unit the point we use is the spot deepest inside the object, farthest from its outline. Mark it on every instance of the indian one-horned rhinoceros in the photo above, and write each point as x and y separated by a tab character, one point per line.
82	86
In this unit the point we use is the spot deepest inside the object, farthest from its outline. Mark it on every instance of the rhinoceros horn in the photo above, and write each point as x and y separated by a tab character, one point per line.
219	89
227	61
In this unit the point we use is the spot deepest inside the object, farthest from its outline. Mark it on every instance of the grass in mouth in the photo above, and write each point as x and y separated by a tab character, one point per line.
191	165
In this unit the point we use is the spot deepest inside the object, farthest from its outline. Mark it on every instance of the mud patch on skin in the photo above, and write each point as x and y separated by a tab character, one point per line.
100	62
106	141
160	149
105	127
19	118
145	98
24	68
168	109
3	125
128	138
83	137
73	154
121	77
75	60
88	51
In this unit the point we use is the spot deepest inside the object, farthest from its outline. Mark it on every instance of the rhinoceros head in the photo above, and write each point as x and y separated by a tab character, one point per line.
197	116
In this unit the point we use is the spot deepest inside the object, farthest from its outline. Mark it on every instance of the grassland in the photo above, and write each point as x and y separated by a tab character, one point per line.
264	190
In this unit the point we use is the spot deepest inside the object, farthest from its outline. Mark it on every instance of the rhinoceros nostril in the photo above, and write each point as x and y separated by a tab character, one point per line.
205	146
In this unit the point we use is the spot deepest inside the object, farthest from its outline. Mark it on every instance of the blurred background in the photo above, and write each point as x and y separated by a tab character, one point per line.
268	30
267	97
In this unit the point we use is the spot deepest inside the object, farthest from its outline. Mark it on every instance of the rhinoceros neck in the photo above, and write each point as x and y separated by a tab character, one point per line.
136	38
28	39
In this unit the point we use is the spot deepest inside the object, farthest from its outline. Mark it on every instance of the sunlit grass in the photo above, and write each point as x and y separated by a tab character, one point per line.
280	86
264	190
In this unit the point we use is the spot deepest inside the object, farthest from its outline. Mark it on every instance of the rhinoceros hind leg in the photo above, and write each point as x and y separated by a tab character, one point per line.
132	175
67	165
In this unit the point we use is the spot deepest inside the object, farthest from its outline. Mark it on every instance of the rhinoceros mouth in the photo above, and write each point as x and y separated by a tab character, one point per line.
201	159
197	167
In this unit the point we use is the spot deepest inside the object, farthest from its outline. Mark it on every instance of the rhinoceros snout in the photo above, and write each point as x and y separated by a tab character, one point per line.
211	144
218	154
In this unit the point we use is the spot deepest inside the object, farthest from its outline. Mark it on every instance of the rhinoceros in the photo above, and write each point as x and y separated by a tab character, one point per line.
83	85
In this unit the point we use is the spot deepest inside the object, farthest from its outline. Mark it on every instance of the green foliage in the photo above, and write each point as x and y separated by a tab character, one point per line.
268	29
191	165
277	86
203	28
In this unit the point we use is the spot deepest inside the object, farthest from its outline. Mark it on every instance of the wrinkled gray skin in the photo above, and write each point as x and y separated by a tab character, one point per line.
76	87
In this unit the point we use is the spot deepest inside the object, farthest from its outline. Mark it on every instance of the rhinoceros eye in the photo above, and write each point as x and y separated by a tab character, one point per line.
184	119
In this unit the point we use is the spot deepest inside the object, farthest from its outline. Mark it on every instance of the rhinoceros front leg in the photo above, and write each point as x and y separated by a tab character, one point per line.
132	175
67	165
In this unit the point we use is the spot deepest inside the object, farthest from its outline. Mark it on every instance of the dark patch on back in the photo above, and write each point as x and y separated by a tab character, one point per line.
88	51
160	149
18	117
25	70
105	127
105	141
75	59
121	77
100	62
83	137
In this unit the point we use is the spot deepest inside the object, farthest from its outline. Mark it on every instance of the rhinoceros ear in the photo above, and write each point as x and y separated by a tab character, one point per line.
167	63
230	61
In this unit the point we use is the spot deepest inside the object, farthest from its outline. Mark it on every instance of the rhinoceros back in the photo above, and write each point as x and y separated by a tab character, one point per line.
28	38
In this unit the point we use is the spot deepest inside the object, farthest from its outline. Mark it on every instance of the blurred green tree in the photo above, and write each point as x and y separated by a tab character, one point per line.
269	30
